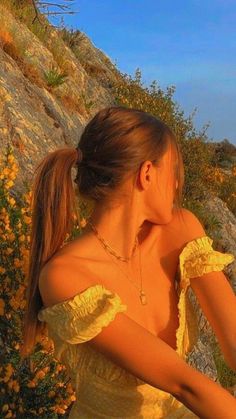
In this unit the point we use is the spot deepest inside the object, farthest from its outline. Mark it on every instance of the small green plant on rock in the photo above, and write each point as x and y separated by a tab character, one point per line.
55	77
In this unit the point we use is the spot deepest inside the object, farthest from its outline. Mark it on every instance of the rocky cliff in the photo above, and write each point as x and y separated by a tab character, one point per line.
35	116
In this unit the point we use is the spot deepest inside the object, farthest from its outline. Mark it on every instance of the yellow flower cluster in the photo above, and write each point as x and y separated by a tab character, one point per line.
17	300
83	222
11	201
4	223
14	232
40	375
28	198
14	385
8	370
62	404
9	172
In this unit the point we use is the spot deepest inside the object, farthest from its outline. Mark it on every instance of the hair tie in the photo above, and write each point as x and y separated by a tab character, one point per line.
80	155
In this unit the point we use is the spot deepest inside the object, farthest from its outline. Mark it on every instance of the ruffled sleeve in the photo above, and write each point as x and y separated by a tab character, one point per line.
82	317
196	259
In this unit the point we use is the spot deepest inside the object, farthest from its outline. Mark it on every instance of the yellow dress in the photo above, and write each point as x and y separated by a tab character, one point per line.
103	389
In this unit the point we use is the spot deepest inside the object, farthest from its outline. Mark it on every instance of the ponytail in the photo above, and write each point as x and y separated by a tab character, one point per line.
53	206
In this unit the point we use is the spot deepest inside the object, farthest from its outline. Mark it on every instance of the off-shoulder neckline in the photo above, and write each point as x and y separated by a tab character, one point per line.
96	289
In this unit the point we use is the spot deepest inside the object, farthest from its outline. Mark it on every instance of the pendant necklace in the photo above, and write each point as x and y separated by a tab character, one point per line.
108	248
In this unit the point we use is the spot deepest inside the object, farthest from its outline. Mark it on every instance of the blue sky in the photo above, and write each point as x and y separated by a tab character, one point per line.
190	44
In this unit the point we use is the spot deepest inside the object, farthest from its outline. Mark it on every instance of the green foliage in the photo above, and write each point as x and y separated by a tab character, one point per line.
196	157
131	93
55	77
195	151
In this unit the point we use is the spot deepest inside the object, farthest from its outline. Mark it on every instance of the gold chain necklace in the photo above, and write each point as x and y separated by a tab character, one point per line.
142	295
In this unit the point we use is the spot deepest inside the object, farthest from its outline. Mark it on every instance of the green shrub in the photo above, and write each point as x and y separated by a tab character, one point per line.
55	77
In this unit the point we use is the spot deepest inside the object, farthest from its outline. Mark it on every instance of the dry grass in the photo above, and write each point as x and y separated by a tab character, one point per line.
73	104
17	52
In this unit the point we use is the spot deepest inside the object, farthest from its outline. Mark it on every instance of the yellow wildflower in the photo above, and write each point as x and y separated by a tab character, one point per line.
60	411
31	384
13	385
14	303
60	384
8	373
59	368
9	184
15	167
27	219
10	158
17	263
83	222
12	176
40	375
22	238
5	171
11	237
11	200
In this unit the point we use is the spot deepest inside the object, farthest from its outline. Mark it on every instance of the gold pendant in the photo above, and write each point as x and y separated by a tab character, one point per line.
143	298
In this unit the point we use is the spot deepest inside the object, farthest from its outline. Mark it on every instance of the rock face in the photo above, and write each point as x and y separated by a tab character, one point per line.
224	241
227	239
34	117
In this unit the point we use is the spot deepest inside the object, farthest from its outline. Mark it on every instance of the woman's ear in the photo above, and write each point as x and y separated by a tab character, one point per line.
145	173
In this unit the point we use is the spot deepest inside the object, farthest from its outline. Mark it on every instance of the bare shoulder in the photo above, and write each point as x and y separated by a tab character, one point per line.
187	224
66	274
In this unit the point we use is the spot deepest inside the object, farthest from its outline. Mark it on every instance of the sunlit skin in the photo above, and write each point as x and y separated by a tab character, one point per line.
84	262
150	213
150	201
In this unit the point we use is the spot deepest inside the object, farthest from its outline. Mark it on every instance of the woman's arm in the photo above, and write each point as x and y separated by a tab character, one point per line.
146	356
152	360
218	302
214	294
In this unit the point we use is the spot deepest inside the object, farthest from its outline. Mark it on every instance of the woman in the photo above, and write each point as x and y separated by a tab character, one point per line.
114	288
